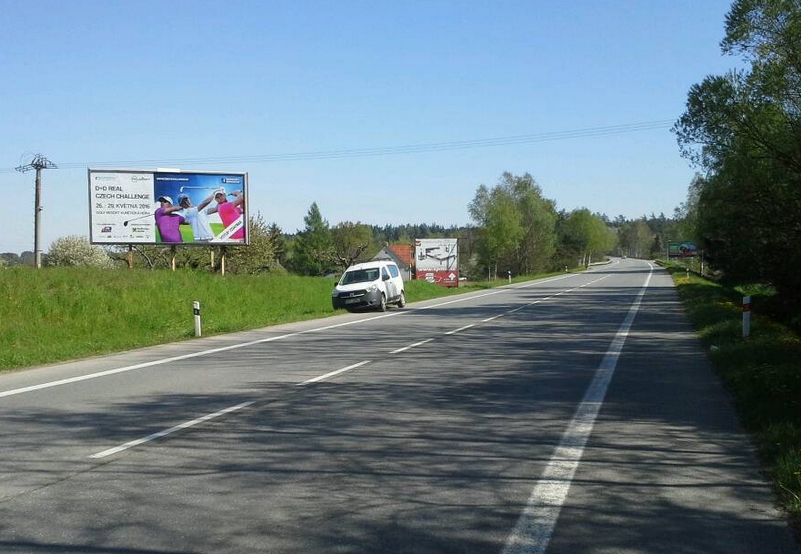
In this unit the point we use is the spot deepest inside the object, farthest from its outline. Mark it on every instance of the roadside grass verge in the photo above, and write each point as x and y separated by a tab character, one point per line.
762	373
57	314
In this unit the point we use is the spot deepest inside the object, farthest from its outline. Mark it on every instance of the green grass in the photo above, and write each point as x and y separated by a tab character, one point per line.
58	314
65	313
762	373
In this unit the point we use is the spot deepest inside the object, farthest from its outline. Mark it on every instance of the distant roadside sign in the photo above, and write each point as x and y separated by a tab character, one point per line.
437	261
682	249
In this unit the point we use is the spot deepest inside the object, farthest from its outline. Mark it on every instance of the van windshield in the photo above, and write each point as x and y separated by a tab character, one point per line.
359	276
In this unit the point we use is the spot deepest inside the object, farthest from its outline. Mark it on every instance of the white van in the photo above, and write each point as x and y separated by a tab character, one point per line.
369	285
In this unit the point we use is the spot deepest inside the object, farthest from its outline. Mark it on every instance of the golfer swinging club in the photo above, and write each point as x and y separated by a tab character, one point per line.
195	216
168	223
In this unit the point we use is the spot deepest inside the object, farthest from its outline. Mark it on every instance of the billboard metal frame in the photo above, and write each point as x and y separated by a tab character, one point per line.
437	261
123	205
685	249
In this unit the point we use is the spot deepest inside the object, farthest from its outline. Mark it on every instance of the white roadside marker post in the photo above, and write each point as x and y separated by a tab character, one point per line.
196	309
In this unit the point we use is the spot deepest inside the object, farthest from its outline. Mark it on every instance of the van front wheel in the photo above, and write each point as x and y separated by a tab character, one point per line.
402	300
383	305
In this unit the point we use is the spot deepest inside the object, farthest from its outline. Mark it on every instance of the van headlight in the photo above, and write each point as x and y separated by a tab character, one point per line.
372	288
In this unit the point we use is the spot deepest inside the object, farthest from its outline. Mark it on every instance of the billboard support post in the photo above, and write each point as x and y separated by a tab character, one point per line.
222	260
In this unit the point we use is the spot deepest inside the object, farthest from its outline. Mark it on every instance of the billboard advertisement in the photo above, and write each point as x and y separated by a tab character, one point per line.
682	249
437	261
167	207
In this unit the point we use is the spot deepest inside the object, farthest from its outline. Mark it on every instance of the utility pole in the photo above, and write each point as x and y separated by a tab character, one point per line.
39	162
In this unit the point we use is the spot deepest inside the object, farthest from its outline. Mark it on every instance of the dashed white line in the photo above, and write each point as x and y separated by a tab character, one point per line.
453	332
163	361
192	423
331	374
405	348
185	425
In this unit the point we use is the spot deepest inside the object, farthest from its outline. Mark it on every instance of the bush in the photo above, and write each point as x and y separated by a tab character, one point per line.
78	252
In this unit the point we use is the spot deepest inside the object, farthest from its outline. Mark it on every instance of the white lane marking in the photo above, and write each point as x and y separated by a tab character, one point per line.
405	348
185	425
331	374
460	329
535	526
162	361
492	318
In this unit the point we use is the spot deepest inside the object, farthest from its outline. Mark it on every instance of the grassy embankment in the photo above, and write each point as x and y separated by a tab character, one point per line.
763	374
58	314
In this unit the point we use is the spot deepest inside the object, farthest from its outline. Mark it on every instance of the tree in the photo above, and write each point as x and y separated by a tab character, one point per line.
500	220
744	129
258	256
538	224
279	243
313	249
75	250
584	235
11	258
516	225
643	239
350	241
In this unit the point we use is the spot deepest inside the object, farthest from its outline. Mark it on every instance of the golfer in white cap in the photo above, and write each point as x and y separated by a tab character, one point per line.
196	216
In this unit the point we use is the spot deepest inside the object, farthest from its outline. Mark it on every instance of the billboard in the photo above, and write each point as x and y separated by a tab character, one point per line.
437	261
682	250
167	207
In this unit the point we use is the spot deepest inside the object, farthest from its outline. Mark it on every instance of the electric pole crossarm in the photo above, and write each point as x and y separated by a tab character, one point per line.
38	163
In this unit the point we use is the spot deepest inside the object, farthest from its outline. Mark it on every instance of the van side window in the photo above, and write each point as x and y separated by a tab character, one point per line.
384	274
393	270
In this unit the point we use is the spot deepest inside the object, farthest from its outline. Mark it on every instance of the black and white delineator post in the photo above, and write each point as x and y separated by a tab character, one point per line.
746	316
196	309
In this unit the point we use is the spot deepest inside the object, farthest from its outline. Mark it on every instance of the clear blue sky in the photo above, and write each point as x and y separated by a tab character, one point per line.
151	83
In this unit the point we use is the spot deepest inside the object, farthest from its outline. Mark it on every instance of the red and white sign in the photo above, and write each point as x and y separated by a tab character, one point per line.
437	261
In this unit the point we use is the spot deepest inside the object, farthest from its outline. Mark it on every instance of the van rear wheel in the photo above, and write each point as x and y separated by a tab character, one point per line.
402	300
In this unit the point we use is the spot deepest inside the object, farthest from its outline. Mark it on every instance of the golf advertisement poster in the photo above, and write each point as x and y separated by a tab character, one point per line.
167	207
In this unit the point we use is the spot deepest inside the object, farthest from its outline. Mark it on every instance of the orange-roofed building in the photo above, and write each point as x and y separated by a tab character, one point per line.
401	254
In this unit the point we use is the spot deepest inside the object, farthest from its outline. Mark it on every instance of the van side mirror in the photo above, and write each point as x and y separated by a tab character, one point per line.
385	277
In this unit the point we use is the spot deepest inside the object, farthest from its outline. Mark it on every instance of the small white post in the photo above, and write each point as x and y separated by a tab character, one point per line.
509	274
196	309
746	317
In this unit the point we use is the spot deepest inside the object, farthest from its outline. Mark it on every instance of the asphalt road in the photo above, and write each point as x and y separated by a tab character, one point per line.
573	414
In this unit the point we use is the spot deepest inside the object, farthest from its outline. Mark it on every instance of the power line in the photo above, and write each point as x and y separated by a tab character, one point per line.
384	151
